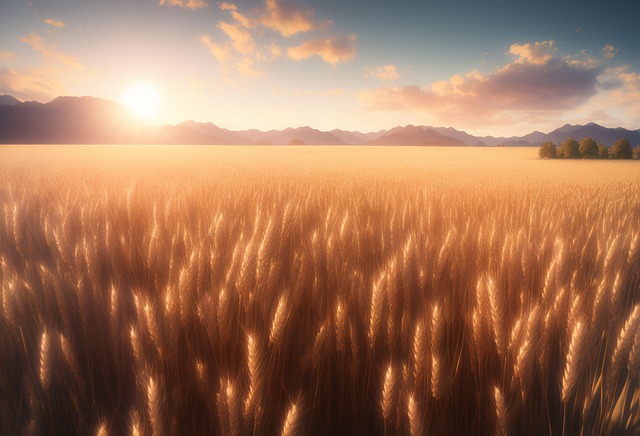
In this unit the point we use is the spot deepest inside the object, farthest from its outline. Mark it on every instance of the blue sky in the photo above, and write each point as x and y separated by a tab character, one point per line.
492	67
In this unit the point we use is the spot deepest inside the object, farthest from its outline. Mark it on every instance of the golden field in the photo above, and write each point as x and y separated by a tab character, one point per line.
317	290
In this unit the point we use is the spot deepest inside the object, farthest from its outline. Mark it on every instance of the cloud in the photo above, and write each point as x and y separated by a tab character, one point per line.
186	4
610	51
50	52
222	52
284	17
331	50
534	84
245	67
275	50
241	40
536	53
333	92
41	84
240	18
54	23
622	90
245	46
232	67
384	73
6	55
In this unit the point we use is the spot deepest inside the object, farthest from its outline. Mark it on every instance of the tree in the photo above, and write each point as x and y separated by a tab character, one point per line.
547	150
588	148
603	152
621	149
636	152
570	149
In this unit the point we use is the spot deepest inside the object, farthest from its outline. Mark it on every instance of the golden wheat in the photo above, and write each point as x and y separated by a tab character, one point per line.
412	295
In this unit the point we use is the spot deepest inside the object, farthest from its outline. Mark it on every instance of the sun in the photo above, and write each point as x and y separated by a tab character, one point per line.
143	99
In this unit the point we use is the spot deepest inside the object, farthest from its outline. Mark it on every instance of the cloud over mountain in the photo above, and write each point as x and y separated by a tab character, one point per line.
534	82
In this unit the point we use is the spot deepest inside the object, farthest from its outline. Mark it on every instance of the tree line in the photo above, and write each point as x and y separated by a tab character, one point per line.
587	148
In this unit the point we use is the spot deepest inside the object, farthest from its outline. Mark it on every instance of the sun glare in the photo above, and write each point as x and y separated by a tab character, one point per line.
143	100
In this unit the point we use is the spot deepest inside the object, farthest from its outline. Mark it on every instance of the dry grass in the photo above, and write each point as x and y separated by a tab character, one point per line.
296	291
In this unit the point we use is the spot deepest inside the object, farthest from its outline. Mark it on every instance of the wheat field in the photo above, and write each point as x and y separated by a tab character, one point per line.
326	290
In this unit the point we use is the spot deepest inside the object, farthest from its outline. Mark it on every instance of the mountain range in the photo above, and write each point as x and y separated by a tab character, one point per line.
89	120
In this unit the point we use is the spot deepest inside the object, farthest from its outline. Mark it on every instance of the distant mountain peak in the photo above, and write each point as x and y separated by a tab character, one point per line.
93	120
8	100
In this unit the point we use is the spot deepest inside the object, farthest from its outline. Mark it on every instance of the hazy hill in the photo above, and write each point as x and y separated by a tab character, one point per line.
353	138
7	100
63	120
218	134
459	135
599	133
305	134
414	135
88	120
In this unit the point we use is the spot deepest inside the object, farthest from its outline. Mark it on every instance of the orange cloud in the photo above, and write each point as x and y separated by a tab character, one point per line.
333	92
50	52
240	18
536	53
186	4
385	72
524	88
40	84
221	52
240	39
245	67
284	17
228	7
331	50
6	55
623	91
54	23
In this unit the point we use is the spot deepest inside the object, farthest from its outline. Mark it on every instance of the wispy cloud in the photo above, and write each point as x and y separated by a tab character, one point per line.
534	83
54	23
6	55
186	4
384	72
241	40
331	50
333	92
609	51
287	19
245	42
41	84
621	93
221	52
240	18
49	51
246	67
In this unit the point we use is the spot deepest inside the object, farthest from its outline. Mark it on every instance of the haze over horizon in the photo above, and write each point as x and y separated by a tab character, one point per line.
491	69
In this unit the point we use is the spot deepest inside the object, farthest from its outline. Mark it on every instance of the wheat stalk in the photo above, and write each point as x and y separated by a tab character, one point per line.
574	363
293	422
624	344
279	319
414	412
154	406
45	362
501	412
389	393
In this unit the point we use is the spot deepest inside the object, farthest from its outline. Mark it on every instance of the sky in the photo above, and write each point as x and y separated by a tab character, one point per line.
492	67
